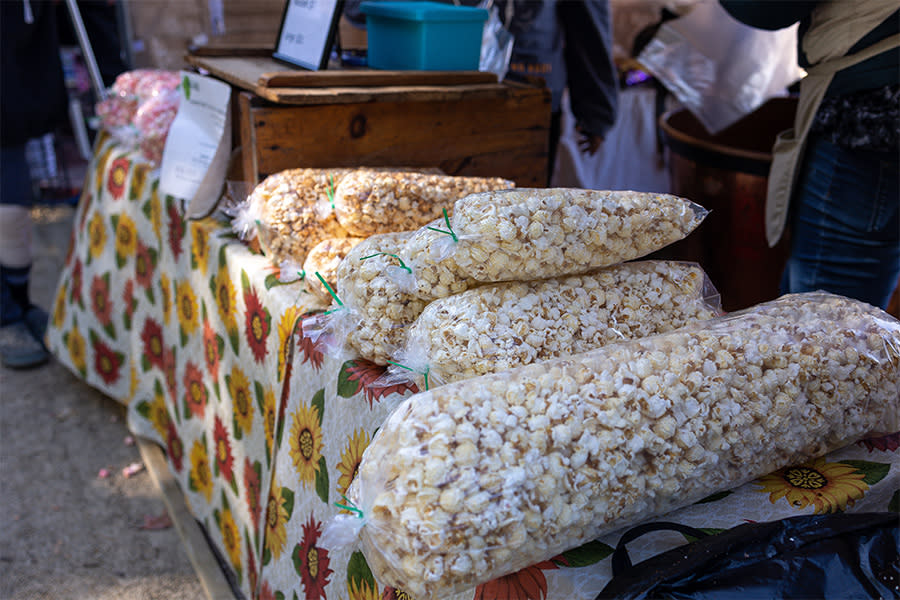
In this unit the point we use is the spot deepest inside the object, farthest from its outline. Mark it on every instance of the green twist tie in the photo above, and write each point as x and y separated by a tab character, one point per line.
423	373
330	191
402	264
349	506
330	291
450	229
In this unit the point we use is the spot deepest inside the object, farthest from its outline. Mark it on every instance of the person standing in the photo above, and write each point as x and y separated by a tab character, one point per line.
32	102
835	175
567	44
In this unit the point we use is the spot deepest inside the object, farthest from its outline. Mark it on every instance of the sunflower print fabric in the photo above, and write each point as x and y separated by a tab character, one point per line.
193	331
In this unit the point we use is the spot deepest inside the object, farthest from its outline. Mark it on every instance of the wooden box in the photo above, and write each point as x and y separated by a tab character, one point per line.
466	123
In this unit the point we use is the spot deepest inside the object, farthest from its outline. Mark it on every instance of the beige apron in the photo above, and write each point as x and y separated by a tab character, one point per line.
835	28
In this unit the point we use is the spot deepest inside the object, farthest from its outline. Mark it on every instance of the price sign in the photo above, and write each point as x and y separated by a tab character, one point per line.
307	32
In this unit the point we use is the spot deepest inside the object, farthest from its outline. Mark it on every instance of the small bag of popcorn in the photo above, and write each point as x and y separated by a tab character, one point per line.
372	201
524	234
504	325
375	304
480	478
287	215
324	258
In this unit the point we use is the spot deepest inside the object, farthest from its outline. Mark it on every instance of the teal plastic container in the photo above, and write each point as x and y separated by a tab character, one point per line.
423	36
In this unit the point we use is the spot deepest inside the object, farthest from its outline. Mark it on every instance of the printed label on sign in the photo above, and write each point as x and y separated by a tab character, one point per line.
196	154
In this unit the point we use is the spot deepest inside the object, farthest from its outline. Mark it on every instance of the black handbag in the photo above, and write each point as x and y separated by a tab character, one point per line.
840	556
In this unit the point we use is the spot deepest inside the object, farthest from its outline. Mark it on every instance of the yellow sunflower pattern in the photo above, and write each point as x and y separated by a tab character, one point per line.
265	444
828	487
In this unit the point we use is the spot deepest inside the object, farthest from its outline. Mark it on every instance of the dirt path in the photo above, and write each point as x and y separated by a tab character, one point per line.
65	531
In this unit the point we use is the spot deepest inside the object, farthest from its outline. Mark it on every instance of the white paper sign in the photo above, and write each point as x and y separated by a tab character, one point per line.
307	29
195	158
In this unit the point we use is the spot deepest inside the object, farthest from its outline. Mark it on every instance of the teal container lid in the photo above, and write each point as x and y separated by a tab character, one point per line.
423	10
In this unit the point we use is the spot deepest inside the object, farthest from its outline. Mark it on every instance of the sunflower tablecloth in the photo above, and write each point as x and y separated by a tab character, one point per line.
192	330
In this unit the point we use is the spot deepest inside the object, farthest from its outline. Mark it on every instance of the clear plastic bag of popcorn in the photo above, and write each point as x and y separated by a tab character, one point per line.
287	215
529	233
375	305
370	201
480	478
324	259
434	276
504	325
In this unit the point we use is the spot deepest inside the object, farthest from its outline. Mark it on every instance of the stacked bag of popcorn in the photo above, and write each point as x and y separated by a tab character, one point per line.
293	211
140	109
482	477
516	276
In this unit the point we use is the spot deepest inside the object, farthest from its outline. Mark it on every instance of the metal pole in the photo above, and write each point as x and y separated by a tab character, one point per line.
87	50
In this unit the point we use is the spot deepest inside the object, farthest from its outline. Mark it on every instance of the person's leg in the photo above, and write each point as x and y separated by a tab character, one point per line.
845	224
22	323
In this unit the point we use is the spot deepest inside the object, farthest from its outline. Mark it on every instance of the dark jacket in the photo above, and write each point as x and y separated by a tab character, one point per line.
873	73
33	97
567	43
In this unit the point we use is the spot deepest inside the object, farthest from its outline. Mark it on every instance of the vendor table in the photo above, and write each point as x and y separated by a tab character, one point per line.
191	329
464	122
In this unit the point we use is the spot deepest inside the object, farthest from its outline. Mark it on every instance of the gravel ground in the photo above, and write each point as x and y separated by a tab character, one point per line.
65	531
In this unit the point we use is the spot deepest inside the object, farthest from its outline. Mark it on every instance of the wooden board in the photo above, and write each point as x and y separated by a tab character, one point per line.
205	564
270	80
372	78
504	135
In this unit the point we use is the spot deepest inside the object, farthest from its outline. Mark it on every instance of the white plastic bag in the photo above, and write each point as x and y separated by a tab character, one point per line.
720	69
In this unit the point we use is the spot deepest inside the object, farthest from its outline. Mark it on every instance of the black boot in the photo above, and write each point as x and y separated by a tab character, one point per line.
22	324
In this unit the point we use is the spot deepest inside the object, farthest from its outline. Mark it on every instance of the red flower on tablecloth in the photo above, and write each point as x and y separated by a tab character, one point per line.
311	562
153	350
107	362
361	375
75	286
144	264
527	584
224	459
174	447
252	474
176	227
100	303
169	368
212	349
118	174
265	591
886	443
310	348
196	396
129	301
257	325
252	572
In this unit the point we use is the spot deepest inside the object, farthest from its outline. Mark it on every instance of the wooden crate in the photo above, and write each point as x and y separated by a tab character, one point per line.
466	123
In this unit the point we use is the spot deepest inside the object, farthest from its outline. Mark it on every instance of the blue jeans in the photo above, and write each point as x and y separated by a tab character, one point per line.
845	224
